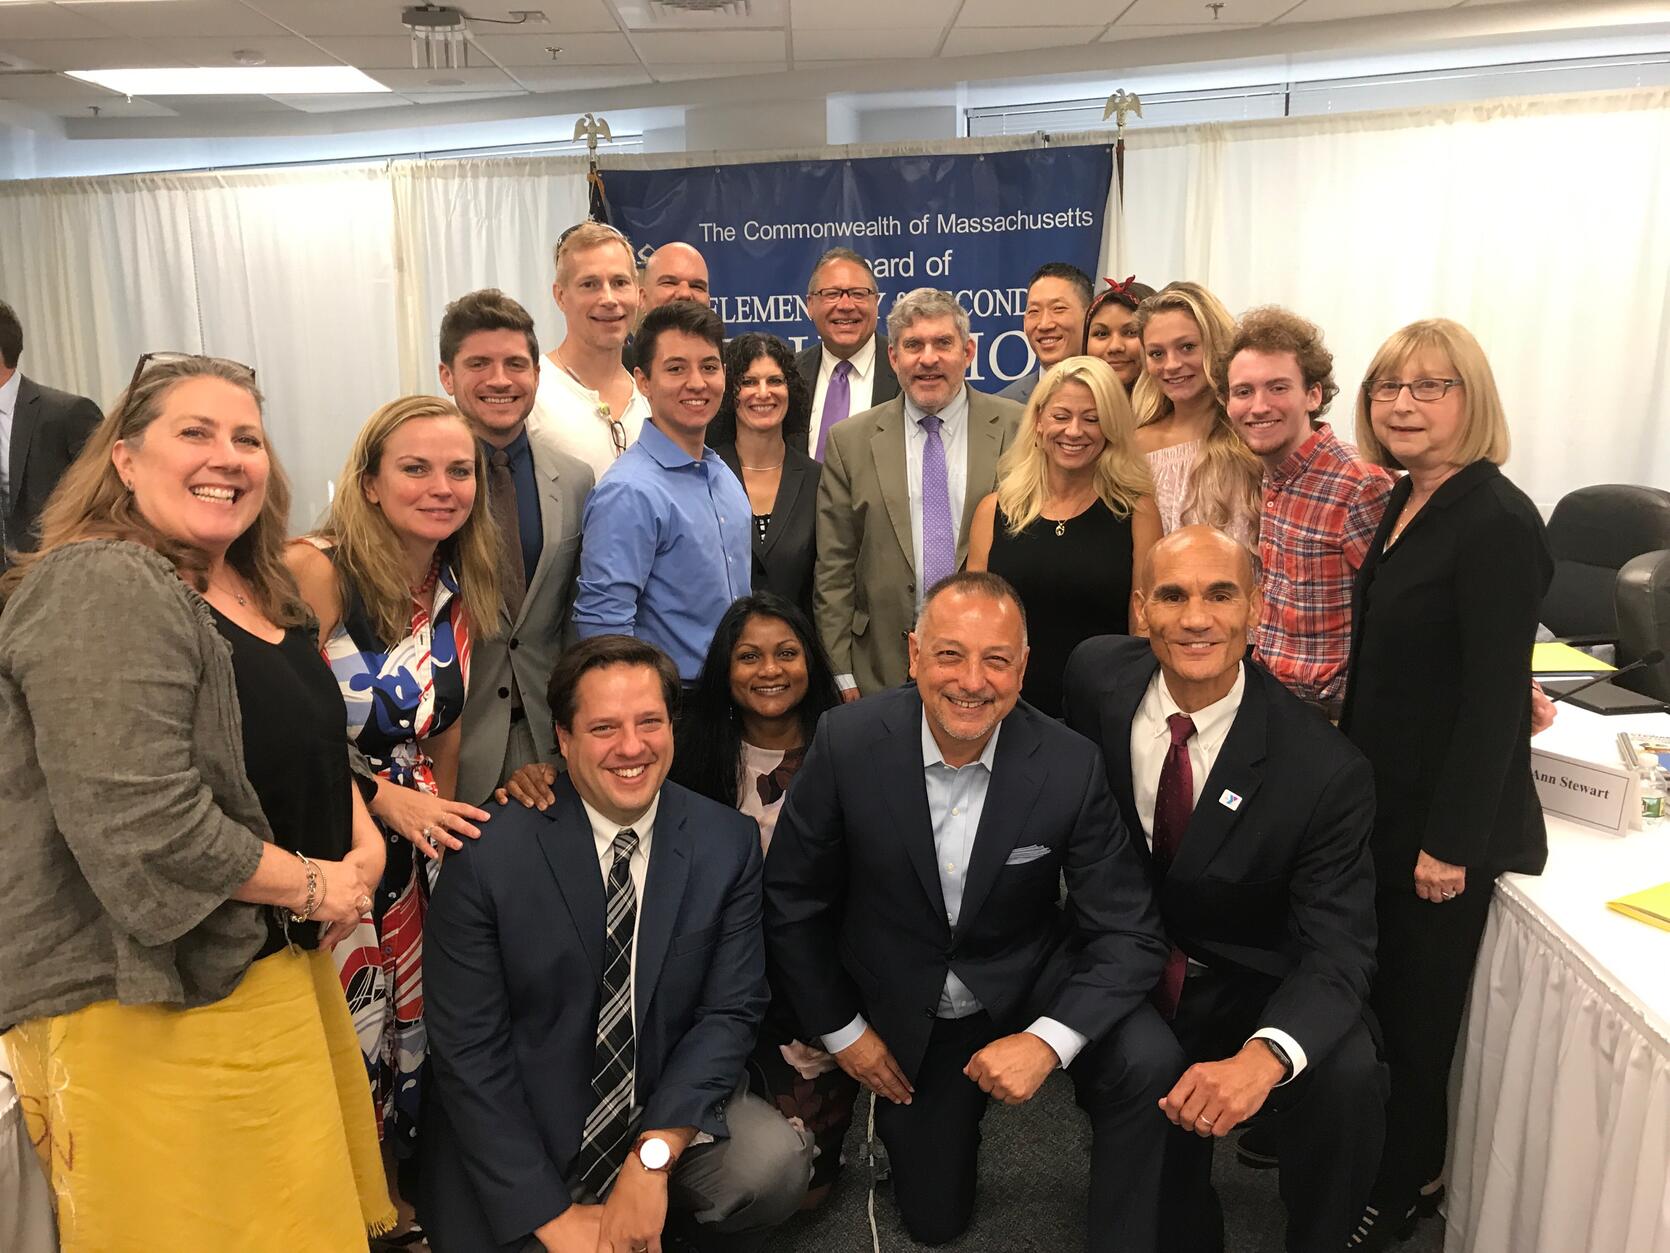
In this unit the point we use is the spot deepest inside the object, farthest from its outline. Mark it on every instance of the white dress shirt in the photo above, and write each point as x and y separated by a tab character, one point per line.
567	411
1150	741
861	385
956	800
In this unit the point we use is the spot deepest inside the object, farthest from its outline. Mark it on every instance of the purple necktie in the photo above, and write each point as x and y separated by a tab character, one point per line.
1174	805
939	536
836	401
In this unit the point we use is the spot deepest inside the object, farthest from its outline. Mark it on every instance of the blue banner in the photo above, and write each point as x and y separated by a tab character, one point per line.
975	225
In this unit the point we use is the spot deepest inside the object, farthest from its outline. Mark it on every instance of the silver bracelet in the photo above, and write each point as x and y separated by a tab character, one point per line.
315	889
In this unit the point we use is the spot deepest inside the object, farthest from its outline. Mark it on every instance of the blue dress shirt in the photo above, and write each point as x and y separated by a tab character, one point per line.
665	548
956	800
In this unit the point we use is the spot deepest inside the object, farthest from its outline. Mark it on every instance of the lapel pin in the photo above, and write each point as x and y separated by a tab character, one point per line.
1230	800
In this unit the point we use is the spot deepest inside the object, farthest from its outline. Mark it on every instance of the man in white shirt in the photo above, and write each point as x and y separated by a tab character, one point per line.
1255	816
899	486
847	366
587	402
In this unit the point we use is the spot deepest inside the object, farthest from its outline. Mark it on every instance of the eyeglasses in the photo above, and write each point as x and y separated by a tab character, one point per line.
147	359
613	230
617	432
832	294
1385	390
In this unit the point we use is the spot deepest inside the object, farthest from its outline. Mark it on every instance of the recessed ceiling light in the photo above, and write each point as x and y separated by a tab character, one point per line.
261	80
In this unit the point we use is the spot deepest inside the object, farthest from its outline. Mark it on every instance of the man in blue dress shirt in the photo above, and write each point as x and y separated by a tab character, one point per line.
665	538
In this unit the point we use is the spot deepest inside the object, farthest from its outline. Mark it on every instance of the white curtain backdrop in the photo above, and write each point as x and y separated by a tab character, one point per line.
1542	225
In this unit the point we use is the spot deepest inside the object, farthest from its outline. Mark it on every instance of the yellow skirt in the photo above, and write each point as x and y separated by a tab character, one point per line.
243	1125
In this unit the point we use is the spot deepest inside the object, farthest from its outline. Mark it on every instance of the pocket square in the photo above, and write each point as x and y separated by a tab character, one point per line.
1026	853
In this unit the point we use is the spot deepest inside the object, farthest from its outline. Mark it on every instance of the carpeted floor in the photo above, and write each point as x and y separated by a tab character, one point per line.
1032	1193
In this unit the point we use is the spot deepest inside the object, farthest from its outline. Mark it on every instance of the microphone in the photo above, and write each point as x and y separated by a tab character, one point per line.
1650	659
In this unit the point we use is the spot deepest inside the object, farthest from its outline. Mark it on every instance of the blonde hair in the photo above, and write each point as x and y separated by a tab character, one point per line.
1484	426
590	235
1224	485
369	559
91	501
1121	472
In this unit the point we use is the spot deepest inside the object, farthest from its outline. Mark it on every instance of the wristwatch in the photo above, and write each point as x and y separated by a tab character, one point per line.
1281	1056
654	1154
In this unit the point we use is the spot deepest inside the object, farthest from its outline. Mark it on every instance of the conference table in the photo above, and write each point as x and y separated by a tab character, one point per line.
1560	1139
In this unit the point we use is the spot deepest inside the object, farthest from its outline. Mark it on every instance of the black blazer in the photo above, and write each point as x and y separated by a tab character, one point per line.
855	918
1278	891
1438	691
810	359
513	968
783	560
48	430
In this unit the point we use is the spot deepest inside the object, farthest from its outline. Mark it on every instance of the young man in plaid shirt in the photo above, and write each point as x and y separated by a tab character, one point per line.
1321	502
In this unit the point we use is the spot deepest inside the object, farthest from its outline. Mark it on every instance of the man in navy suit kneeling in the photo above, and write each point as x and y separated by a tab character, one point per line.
594	978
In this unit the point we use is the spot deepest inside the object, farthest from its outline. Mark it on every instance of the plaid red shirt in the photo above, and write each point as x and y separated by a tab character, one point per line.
1321	509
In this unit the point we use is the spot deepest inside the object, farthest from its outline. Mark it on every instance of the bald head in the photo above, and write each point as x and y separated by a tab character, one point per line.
675	271
1196	599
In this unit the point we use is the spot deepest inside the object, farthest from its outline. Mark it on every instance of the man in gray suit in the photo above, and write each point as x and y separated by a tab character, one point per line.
845	367
1058	297
900	483
490	368
41	432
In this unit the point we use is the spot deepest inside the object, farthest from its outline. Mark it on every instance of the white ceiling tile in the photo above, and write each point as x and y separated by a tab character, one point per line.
474	78
880	19
96	54
558	78
371	52
1332	10
342	104
685	72
1042	12
509	50
47	21
170	18
561	16
1200	16
1123	33
812	46
334	17
645	15
277	49
985	39
455	97
220	106
109	107
51	88
715	48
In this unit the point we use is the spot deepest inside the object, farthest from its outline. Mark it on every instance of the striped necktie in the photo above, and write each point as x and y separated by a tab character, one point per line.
608	1131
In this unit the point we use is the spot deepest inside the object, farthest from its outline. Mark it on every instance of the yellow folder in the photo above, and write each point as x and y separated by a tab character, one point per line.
1651	907
1553	657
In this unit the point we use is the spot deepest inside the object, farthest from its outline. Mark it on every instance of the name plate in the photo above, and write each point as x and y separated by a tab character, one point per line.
1598	796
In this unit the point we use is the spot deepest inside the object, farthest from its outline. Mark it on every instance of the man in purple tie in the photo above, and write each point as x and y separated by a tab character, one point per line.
846	368
1252	814
899	485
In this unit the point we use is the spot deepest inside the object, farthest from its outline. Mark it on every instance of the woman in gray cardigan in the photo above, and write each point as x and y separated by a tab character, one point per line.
172	868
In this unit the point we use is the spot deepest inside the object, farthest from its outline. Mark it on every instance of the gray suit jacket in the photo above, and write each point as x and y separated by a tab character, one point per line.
864	585
527	648
48	431
1020	391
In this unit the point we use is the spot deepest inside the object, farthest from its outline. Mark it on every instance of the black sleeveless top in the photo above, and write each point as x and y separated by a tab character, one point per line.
295	752
1074	578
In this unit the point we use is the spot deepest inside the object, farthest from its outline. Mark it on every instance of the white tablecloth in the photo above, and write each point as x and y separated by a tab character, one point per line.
1561	1140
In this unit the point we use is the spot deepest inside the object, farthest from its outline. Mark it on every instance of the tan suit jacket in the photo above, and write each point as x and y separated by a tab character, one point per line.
864	586
526	649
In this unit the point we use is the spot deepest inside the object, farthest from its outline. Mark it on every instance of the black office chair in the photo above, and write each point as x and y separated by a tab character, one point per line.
1594	533
1643	607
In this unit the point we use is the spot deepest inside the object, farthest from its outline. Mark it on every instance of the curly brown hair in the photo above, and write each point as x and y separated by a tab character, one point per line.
1272	329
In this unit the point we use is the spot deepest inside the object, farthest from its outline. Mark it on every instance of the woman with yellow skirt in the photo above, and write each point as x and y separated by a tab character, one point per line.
184	841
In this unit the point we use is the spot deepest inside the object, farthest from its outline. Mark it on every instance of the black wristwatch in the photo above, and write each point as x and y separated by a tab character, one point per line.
1281	1056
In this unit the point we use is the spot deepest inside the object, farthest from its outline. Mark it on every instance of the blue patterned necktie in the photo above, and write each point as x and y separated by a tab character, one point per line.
939	535
608	1131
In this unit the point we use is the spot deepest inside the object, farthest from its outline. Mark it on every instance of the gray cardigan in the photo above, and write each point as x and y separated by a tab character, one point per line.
129	820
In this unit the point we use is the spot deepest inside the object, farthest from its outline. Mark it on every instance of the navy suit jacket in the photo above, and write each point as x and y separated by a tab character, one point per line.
855	917
513	969
1279	889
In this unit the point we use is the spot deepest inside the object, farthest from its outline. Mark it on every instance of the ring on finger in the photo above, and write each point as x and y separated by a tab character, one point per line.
1204	1122
363	904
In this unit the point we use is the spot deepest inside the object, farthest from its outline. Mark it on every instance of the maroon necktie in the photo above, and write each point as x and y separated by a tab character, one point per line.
1174	804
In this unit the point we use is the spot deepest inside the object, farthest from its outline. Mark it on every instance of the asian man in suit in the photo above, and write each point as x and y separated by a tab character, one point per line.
1253	816
899	488
594	978
490	368
41	432
912	921
845	368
